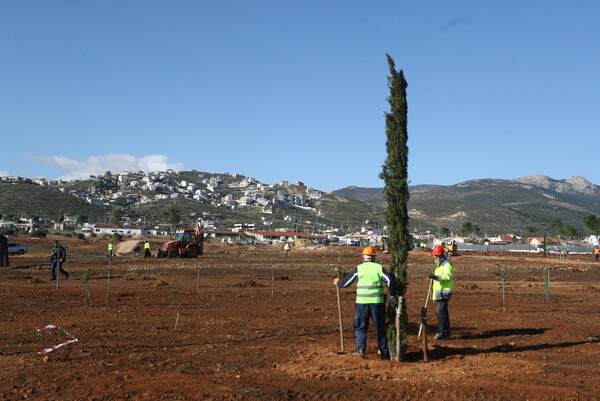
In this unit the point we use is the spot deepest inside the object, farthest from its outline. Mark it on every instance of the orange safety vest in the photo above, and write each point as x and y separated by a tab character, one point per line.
596	251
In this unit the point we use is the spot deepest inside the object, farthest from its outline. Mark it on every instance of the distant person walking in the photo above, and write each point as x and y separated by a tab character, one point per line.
111	249
3	251
370	301
286	249
57	259
441	292
597	253
147	253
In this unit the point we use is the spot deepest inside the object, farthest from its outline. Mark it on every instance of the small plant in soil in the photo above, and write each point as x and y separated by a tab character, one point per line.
85	278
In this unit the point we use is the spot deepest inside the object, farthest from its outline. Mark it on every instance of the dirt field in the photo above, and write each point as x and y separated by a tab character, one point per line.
244	323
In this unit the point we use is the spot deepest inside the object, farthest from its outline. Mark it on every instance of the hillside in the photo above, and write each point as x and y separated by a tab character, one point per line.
495	205
27	199
222	199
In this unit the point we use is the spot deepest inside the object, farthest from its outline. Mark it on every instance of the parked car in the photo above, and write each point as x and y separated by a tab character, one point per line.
16	249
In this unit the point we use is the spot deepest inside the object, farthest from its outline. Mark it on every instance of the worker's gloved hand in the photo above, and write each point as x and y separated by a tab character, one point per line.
394	302
335	281
432	276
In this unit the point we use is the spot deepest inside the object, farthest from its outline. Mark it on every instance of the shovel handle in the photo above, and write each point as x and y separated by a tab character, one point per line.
425	308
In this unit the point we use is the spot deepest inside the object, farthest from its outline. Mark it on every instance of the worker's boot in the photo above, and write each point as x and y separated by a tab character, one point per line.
360	352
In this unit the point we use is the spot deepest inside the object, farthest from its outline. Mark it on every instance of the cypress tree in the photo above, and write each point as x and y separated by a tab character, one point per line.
395	176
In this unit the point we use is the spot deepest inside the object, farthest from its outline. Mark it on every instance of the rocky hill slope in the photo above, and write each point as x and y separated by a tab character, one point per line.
496	205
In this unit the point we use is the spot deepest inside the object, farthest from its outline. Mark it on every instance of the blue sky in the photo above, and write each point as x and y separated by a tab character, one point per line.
296	90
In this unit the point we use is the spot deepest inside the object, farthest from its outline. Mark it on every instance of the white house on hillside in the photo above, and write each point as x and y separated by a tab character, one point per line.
110	229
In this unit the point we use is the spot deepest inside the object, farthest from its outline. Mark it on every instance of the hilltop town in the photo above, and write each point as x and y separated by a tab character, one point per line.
293	209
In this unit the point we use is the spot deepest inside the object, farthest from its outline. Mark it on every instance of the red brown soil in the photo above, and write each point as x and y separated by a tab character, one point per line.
244	323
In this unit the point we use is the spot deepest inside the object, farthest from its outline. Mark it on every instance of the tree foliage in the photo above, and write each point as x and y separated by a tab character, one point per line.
466	228
171	215
569	232
557	228
476	230
592	223
395	176
117	215
530	231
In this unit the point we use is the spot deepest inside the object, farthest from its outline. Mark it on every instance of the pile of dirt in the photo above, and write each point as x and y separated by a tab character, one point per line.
303	242
128	247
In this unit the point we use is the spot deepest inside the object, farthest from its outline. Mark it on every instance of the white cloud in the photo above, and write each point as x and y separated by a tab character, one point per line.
113	162
4	173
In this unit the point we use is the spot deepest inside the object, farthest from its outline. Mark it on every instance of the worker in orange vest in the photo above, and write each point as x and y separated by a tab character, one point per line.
596	253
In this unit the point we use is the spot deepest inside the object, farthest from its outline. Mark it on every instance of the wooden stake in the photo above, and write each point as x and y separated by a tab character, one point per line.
339	304
398	356
58	266
197	278
547	284
108	278
424	326
176	321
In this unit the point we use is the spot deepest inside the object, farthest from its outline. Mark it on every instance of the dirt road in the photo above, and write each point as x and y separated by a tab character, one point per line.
244	323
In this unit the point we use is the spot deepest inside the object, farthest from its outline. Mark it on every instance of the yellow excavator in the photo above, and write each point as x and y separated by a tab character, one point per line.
450	249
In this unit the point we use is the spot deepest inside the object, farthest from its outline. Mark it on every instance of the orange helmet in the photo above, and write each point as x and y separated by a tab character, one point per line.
369	251
437	251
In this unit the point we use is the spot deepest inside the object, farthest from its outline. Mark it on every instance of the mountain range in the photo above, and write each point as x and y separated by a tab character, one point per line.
495	205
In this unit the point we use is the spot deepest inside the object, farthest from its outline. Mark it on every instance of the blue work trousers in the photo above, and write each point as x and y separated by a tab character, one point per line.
443	317
364	313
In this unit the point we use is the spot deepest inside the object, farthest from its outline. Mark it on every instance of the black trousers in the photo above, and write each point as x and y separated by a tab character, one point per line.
4	258
441	308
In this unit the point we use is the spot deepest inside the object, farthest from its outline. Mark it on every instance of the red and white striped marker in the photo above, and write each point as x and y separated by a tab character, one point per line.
52	326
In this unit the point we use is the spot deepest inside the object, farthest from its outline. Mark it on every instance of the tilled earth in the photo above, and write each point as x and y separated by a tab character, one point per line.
243	322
